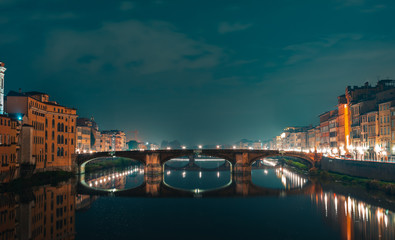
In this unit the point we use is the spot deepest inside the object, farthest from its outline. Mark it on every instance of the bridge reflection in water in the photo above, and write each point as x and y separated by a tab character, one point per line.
194	179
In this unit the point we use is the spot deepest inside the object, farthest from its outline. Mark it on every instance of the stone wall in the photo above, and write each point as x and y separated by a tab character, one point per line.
374	170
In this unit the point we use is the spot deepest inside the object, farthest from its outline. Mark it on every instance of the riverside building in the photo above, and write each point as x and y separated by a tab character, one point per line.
362	126
52	130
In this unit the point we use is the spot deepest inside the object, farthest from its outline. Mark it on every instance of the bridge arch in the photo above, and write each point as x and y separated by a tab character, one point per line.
83	160
298	156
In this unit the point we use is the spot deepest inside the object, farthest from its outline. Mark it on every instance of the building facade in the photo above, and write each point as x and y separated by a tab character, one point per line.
9	148
53	128
88	136
113	140
362	126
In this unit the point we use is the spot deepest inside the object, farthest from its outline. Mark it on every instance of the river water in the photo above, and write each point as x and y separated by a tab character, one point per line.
203	200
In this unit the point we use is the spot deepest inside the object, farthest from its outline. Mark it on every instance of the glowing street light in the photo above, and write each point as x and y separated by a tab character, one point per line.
200	146
183	147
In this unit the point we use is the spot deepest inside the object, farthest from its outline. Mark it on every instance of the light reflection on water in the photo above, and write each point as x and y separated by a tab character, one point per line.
277	178
355	218
330	214
201	176
127	178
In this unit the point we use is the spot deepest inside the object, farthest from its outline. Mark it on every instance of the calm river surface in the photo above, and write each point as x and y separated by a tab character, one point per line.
195	201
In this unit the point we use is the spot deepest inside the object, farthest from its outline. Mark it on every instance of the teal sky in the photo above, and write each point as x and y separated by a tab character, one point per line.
202	72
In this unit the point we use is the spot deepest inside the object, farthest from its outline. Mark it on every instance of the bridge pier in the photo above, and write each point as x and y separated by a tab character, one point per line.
242	164
153	164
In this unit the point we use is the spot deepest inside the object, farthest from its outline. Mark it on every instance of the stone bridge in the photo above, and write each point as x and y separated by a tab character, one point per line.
153	160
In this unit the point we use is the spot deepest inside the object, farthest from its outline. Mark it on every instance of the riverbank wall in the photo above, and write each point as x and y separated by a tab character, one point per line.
374	170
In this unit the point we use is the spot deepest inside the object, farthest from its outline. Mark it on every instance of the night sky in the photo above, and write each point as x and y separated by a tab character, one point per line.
202	72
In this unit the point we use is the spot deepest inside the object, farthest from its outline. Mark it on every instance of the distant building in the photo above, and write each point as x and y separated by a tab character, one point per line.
247	144
88	136
113	140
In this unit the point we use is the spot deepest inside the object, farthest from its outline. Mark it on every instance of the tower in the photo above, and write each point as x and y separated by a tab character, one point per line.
2	70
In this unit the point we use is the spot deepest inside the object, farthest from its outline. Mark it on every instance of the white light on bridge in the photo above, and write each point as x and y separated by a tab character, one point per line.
218	174
200	174
183	147
200	146
184	174
234	147
168	173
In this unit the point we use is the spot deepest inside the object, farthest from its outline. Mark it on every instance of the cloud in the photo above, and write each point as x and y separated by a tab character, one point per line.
126	6
352	2
45	16
362	6
374	8
310	50
226	27
242	62
129	46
